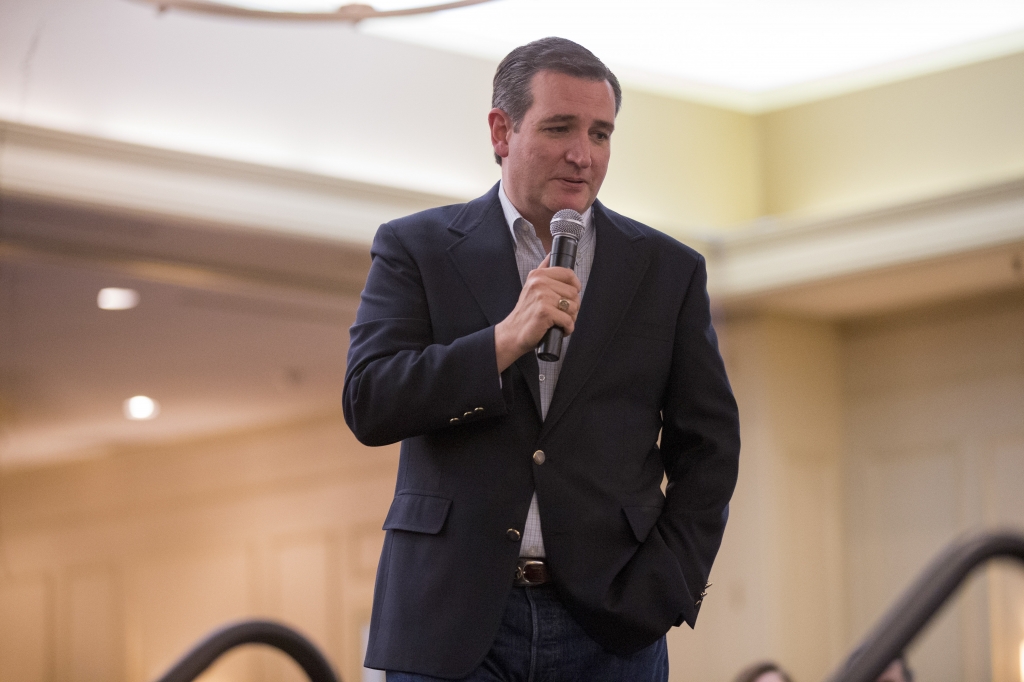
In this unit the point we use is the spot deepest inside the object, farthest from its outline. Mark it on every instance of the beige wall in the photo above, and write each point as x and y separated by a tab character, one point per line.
919	138
679	165
112	568
686	167
867	447
777	585
935	447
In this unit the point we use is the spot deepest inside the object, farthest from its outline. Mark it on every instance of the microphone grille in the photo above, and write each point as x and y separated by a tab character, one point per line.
567	222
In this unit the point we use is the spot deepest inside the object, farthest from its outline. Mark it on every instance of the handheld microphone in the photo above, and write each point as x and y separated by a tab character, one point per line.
566	230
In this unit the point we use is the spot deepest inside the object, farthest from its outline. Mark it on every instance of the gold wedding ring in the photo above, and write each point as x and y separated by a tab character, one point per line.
563	305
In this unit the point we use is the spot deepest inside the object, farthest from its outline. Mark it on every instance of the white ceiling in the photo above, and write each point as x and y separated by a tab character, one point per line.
751	54
371	105
325	100
319	98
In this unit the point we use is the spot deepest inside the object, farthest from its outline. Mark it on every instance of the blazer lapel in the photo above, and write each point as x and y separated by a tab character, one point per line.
620	261
484	254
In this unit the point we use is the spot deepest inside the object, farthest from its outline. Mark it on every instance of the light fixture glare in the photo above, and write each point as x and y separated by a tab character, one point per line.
313	10
113	298
141	407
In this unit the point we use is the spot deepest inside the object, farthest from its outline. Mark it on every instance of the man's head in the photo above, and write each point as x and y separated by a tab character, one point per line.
554	112
512	93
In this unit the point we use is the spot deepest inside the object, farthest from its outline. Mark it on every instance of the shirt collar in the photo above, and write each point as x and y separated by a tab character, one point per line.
512	215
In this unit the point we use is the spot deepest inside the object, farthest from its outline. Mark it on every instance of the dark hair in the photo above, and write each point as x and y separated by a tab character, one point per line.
908	674
751	673
512	80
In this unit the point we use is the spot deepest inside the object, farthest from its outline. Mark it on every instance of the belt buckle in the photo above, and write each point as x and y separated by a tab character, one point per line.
521	578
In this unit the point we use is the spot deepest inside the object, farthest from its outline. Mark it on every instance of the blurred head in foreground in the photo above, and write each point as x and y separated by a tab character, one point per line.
765	671
898	671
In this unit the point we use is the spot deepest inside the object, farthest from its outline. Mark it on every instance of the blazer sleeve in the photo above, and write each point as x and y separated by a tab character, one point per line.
399	383
699	443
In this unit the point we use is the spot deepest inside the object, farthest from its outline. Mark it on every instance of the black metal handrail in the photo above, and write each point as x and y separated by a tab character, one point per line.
923	599
281	637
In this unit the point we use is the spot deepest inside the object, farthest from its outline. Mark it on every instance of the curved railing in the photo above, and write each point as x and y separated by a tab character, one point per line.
272	634
896	629
922	600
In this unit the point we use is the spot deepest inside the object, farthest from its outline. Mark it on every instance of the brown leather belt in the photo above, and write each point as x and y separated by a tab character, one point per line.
531	572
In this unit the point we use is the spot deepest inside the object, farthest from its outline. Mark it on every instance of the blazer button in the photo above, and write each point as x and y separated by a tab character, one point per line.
453	420
513	535
539	457
468	414
478	410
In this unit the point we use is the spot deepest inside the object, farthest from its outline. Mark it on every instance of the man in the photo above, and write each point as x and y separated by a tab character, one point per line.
529	537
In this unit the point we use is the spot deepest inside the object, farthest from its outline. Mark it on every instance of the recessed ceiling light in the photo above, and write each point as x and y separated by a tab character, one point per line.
141	407
112	298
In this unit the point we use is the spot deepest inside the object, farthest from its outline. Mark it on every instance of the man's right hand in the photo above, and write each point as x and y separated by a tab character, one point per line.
537	311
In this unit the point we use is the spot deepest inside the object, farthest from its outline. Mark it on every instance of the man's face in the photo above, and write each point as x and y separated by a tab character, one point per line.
559	156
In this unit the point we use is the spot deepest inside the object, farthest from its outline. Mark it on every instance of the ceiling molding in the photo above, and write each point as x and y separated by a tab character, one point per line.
248	283
57	165
767	255
771	257
973	276
184	253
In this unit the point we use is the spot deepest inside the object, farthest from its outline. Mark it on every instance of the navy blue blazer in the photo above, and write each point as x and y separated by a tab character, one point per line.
628	560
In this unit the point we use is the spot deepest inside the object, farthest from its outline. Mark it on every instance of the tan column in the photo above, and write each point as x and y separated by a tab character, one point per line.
777	584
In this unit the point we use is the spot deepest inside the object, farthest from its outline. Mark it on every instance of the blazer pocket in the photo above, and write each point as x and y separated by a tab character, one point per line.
417	513
642	520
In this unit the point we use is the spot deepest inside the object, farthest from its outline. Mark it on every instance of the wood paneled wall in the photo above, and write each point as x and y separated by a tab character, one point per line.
114	567
867	447
935	448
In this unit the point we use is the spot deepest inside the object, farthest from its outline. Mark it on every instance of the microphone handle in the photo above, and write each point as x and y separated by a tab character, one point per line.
563	255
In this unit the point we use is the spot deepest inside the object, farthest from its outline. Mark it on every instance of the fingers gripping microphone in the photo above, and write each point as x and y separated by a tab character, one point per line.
566	230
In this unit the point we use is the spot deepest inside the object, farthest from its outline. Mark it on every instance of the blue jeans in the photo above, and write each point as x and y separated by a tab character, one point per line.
539	641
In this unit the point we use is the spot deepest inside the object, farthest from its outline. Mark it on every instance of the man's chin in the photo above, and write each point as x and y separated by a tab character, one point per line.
577	201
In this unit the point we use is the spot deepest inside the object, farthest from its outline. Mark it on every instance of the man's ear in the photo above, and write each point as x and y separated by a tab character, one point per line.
501	131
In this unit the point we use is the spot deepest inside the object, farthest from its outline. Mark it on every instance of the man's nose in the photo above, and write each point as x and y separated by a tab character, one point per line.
578	152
